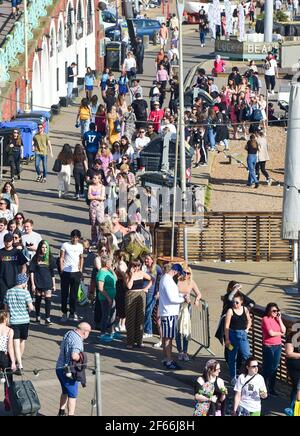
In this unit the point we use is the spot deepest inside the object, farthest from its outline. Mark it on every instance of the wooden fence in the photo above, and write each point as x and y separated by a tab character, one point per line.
229	235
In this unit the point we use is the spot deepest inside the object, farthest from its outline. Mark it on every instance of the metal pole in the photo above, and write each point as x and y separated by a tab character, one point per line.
175	194
180	10
98	384
26	106
269	12
1	158
299	262
295	261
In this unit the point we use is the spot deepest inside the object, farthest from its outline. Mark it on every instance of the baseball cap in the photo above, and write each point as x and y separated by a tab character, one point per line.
177	267
21	279
8	237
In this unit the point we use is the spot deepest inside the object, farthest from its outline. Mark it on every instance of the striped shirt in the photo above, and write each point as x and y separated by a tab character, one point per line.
17	301
72	343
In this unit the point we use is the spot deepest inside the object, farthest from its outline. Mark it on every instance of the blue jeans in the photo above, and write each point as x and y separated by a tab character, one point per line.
181	343
251	163
211	138
271	361
38	159
84	126
239	341
150	304
202	37
70	90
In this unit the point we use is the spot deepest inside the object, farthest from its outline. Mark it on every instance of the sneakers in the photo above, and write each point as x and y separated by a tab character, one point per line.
59	194
38	179
48	321
43	180
186	357
38	320
75	317
269	182
117	335
64	318
147	335
180	356
106	338
172	365
158	345
76	197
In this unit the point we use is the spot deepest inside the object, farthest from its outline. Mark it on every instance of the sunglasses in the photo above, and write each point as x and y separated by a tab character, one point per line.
2	202
187	273
236	302
274	311
142	131
254	366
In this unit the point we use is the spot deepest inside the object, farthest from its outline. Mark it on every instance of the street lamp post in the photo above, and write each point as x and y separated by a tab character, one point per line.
26	106
180	10
269	12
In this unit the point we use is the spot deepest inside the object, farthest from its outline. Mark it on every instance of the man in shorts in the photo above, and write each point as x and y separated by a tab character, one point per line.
18	303
169	305
70	349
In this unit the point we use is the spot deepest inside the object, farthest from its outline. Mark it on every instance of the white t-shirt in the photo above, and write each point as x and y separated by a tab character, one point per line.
2	234
169	297
32	238
140	143
72	254
129	63
272	70
250	397
278	4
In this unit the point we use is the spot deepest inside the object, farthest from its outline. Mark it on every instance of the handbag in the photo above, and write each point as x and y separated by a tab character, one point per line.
82	293
57	166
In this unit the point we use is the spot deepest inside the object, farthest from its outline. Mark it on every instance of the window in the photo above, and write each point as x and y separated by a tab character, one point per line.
60	38
79	22
70	26
57	79
89	17
52	42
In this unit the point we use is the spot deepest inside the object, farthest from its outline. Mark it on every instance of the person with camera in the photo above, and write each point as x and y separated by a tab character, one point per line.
70	351
30	239
250	389
273	330
271	72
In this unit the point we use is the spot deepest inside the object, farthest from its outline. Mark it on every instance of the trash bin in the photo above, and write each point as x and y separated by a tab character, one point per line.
55	109
146	41
113	56
28	129
45	117
37	120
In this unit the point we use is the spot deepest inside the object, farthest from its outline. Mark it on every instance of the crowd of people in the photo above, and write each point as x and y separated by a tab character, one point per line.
130	291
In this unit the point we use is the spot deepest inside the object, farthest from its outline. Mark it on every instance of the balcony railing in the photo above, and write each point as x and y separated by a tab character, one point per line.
14	44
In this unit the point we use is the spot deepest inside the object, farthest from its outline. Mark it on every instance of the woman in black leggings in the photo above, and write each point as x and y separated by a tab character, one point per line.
262	156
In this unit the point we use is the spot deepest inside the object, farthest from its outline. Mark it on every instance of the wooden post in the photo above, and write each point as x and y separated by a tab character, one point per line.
257	239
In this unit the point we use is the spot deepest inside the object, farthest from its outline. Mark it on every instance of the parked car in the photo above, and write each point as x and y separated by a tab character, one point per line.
142	26
109	19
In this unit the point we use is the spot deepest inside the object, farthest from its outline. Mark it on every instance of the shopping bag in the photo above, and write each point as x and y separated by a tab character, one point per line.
82	294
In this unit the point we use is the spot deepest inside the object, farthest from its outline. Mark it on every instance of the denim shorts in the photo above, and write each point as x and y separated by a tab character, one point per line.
68	385
15	3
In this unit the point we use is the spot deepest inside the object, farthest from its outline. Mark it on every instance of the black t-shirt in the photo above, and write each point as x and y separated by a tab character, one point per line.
10	260
70	73
140	109
43	274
